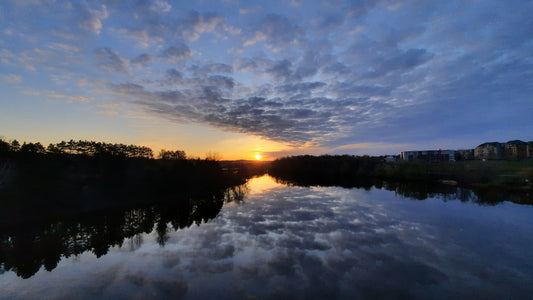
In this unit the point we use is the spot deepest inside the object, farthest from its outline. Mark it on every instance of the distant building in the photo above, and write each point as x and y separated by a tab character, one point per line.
511	149
428	155
516	149
492	150
464	154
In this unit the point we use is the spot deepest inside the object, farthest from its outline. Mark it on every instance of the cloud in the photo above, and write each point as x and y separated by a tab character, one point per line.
107	112
64	47
250	10
178	52
126	88
109	60
336	68
144	37
155	25
408	59
207	69
357	9
328	74
174	75
91	19
303	87
34	57
246	65
12	78
257	37
270	118
276	30
108	105
329	22
204	22
296	3
280	70
143	59
54	94
221	81
378	80
161	6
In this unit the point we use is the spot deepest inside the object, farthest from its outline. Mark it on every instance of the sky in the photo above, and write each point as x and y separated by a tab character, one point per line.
276	78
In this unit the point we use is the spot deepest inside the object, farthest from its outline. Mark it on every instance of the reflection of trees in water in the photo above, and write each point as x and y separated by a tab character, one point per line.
236	194
491	182
48	190
422	191
417	190
482	196
25	249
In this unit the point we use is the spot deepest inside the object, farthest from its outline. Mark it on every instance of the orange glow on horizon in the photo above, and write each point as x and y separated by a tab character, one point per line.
196	140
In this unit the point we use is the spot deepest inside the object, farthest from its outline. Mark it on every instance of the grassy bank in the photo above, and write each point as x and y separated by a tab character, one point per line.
474	173
505	174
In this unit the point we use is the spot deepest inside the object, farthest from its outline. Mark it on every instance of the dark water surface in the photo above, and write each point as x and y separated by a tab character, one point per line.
277	241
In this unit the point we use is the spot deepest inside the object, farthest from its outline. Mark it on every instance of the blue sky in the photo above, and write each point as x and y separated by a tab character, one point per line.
276	77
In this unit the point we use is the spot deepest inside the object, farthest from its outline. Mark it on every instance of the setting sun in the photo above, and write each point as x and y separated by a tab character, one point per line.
258	156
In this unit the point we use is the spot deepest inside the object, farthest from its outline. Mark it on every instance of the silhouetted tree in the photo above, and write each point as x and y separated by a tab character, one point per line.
172	155
15	146
32	148
5	147
212	156
54	149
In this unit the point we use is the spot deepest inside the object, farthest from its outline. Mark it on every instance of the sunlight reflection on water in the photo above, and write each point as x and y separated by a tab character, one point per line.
262	184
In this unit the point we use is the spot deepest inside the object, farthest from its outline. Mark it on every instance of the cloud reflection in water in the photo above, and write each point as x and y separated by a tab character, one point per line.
317	242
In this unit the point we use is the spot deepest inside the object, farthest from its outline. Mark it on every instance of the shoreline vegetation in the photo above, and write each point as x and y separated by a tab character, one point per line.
492	180
78	177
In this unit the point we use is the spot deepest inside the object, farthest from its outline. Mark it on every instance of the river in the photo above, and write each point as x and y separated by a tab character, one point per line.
270	241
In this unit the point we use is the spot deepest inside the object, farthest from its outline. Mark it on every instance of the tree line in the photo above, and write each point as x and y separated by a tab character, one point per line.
80	147
325	168
77	177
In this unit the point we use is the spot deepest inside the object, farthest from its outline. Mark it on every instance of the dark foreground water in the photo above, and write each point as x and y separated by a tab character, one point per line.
275	241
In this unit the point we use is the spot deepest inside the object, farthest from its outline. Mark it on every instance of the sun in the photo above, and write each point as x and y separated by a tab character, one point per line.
258	156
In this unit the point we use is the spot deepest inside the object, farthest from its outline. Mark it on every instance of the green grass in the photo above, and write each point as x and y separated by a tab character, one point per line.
504	173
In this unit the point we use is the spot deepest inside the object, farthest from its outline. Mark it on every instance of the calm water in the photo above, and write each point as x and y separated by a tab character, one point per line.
278	241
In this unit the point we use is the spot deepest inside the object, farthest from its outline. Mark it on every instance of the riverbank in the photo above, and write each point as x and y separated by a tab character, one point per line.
470	173
491	180
37	187
502	174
